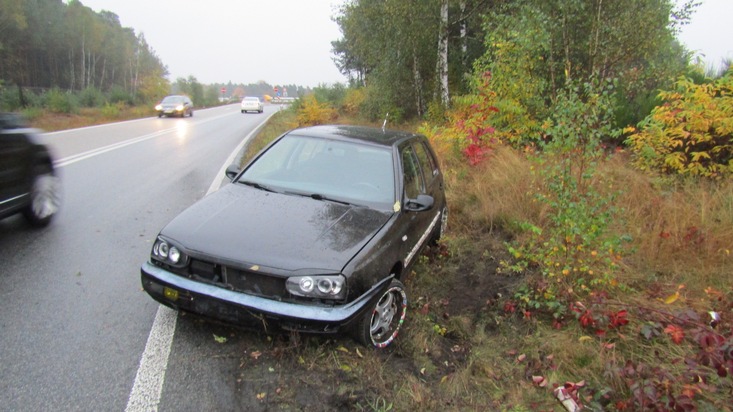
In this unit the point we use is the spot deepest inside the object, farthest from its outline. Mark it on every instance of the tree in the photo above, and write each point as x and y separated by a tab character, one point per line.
400	51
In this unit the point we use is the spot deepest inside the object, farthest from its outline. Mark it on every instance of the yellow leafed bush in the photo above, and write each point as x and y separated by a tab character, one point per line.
691	133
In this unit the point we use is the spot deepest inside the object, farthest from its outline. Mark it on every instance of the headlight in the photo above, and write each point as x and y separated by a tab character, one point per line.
179	107
318	286
158	107
164	252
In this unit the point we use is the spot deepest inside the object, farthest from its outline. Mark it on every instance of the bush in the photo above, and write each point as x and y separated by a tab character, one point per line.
312	112
691	133
118	94
91	97
61	102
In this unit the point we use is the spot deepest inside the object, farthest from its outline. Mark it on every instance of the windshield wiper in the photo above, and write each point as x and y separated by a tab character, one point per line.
318	196
256	185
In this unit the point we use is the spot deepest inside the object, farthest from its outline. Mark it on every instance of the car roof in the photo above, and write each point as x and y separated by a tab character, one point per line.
364	134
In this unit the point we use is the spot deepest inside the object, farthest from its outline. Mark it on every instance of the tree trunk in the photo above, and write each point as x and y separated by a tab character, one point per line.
443	55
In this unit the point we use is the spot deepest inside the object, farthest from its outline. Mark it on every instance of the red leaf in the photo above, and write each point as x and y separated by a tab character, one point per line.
675	332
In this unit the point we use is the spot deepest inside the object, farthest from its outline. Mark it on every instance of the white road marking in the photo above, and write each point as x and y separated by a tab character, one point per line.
91	153
148	387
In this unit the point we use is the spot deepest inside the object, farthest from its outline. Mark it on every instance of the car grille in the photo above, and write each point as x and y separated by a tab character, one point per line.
245	281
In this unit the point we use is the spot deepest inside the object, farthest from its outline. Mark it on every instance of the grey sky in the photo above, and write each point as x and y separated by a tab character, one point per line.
245	41
289	41
710	33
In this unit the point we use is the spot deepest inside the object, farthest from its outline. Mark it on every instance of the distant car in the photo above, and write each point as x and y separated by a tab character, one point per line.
175	105
313	235
252	104
28	181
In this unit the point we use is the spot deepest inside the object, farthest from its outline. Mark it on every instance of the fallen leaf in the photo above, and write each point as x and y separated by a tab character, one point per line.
521	358
261	396
256	354
584	338
346	368
672	298
342	349
359	353
220	339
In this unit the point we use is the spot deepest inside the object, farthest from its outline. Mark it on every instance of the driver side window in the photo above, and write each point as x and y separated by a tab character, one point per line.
413	181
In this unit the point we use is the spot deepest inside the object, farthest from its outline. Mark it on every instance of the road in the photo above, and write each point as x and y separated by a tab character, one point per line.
74	322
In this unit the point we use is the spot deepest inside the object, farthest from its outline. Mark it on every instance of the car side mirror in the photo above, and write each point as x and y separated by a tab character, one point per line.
421	204
232	171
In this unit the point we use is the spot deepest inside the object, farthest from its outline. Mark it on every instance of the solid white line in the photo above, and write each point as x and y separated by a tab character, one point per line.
148	386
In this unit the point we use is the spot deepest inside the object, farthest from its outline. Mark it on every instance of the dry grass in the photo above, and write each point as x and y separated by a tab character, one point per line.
682	230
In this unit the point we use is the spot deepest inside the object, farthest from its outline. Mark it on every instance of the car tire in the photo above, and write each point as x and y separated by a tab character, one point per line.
242	111
382	322
191	113
45	197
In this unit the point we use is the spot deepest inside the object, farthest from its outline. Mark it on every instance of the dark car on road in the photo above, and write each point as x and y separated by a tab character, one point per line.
28	182
313	235
175	105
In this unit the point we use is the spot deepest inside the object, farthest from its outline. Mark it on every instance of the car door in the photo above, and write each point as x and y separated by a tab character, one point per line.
420	190
15	151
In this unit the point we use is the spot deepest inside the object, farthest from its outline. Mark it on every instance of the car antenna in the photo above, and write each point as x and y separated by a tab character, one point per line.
385	121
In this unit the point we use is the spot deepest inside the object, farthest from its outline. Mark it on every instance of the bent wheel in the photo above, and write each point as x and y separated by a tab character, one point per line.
380	326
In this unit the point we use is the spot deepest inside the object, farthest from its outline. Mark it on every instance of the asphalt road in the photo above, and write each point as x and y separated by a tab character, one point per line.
74	322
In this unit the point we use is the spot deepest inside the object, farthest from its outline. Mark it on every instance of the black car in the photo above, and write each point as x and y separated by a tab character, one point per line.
28	181
175	105
313	235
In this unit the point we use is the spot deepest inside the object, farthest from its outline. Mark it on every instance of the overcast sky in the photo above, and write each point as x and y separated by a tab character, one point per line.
243	41
710	33
289	41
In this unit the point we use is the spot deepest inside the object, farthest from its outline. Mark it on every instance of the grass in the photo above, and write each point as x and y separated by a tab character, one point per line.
463	350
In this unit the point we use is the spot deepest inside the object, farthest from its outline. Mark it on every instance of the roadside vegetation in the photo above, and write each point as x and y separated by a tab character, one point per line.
588	165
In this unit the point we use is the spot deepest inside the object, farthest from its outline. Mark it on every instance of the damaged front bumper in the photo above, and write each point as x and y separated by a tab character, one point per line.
253	311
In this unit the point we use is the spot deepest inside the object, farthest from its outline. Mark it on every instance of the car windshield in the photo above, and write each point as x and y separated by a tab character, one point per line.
173	99
326	169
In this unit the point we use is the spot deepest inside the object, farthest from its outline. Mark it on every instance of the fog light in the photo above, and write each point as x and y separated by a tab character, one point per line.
170	294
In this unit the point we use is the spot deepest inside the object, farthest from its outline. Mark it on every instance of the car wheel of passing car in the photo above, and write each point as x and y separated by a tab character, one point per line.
380	326
45	198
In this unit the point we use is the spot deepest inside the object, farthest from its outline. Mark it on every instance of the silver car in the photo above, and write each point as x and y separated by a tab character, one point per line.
252	104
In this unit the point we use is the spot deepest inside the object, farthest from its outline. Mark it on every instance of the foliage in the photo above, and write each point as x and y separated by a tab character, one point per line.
120	95
535	46
573	249
47	43
353	100
333	95
691	133
312	112
91	97
391	46
61	102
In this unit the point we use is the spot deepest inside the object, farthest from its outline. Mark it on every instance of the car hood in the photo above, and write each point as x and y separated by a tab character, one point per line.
242	225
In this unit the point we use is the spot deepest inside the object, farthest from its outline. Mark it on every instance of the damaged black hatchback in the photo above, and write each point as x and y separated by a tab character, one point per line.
312	235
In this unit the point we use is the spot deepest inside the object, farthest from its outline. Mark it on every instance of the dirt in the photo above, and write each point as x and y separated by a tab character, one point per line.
315	373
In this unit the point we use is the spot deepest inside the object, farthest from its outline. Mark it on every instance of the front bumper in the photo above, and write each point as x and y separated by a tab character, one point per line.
253	311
